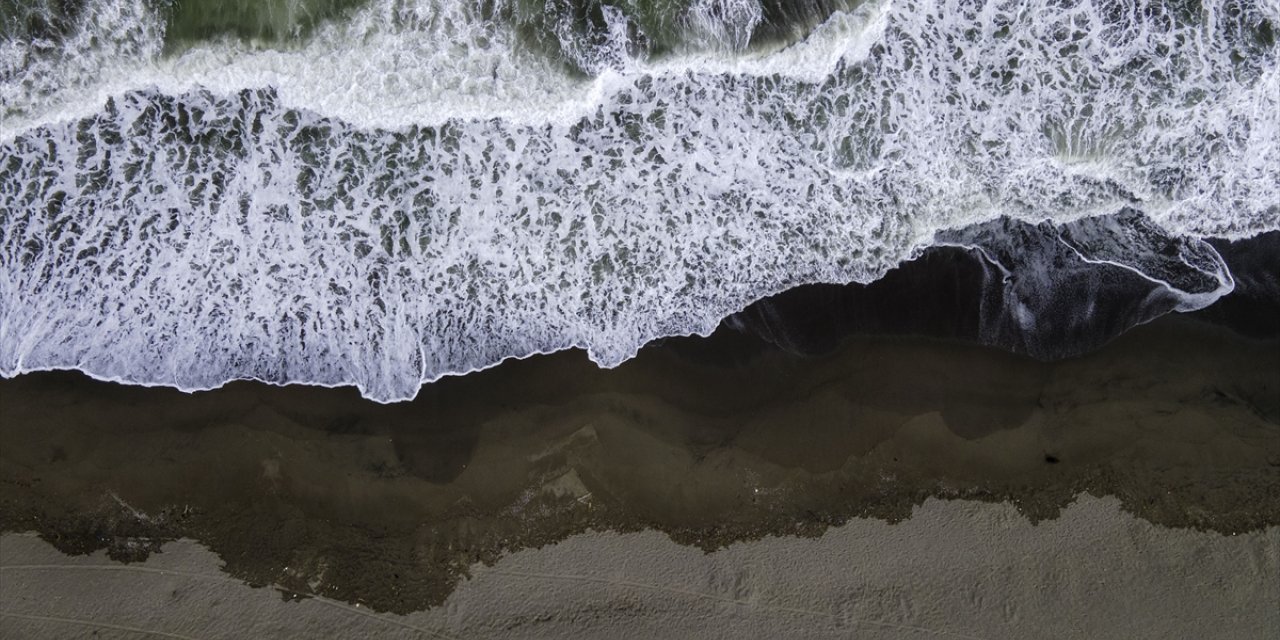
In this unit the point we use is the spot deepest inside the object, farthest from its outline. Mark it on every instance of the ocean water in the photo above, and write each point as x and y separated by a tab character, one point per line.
382	193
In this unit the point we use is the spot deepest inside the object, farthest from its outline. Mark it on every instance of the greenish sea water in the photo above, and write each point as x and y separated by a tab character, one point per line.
272	20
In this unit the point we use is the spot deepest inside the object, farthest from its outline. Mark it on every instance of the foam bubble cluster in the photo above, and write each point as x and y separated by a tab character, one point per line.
381	229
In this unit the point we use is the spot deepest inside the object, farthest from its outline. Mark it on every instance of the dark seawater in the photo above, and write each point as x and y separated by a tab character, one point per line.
1074	306
1253	308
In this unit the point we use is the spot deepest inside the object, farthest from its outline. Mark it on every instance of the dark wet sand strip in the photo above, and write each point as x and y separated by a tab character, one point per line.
711	442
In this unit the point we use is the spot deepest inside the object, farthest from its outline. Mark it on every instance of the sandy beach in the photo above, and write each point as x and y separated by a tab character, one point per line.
954	569
1155	462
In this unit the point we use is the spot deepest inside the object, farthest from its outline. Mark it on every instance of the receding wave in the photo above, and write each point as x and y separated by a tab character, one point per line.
415	189
1028	289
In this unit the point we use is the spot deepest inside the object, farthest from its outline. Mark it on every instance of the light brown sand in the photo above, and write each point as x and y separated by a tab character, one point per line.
956	569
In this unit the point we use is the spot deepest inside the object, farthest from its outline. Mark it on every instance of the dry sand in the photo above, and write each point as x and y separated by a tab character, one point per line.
955	569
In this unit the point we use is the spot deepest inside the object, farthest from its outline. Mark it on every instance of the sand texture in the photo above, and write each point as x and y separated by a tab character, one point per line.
955	569
548	497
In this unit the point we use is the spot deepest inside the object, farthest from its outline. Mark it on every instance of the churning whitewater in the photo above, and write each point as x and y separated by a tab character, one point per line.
383	193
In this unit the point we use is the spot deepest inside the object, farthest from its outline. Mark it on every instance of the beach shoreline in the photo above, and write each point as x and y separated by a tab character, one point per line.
319	492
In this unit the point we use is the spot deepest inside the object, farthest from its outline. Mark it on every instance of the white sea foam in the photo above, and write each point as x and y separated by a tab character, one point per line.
394	64
408	194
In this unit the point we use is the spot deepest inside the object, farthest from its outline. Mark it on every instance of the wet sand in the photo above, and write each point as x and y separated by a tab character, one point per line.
778	464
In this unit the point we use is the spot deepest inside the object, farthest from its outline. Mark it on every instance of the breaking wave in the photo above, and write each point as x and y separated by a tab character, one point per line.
385	193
